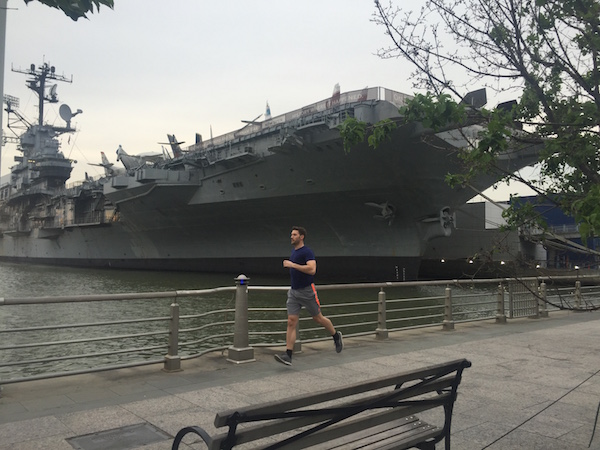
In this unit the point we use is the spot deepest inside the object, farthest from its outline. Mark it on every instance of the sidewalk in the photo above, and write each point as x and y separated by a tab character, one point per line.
534	384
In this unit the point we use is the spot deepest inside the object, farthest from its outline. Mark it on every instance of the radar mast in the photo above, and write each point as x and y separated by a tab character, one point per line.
38	84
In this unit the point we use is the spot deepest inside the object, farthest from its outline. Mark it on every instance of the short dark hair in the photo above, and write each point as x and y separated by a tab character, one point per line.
300	230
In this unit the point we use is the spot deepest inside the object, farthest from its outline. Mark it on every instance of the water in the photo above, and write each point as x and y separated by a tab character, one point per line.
25	280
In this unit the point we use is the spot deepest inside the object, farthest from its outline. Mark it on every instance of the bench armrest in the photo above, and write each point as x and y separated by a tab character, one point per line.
193	429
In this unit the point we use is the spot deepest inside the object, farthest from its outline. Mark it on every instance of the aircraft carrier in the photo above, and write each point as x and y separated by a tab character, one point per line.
227	204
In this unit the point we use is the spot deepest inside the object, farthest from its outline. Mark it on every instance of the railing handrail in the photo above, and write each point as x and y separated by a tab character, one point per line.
321	287
232	324
108	297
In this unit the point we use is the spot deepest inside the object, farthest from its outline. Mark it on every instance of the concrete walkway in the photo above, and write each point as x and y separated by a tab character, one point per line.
534	384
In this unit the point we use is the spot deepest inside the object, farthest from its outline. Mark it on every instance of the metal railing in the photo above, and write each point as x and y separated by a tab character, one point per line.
197	323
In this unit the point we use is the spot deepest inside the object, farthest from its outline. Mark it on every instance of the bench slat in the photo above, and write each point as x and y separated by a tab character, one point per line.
404	441
250	433
335	431
402	433
303	400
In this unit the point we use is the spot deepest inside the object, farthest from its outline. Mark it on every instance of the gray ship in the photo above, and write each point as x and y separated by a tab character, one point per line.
227	204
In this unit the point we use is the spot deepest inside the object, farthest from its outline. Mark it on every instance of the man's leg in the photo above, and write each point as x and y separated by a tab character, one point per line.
290	340
336	335
323	321
293	309
290	336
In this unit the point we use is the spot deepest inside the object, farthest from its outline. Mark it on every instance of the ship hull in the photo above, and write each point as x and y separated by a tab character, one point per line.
250	247
371	268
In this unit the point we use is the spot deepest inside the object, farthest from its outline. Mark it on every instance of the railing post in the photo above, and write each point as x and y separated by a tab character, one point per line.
536	313
172	361
578	294
542	301
500	316
381	332
448	324
240	351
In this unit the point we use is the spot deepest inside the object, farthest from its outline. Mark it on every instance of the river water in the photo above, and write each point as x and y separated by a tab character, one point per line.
25	280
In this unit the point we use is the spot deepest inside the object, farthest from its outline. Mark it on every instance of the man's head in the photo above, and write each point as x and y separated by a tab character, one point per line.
297	236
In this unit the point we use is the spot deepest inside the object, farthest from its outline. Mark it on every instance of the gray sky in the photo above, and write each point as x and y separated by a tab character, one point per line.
152	67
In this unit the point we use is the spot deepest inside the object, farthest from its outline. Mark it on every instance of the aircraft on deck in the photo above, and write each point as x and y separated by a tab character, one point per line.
134	162
175	146
109	170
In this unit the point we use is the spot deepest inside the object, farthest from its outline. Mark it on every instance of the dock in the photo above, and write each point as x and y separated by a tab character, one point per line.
534	384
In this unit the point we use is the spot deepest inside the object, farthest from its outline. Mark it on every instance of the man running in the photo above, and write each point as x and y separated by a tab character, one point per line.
303	266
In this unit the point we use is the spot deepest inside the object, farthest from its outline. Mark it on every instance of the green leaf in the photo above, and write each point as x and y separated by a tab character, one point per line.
76	9
353	132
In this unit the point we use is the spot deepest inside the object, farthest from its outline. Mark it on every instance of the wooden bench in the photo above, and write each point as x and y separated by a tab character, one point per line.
368	415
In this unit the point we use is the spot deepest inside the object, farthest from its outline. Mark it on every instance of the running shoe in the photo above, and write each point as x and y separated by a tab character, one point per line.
339	343
284	359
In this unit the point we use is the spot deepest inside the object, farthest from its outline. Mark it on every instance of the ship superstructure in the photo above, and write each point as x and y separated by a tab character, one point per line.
227	204
36	201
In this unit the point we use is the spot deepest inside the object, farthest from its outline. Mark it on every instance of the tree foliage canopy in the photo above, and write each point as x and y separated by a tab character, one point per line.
76	9
546	52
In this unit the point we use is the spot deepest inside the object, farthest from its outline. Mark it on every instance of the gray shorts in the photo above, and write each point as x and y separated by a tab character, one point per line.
307	297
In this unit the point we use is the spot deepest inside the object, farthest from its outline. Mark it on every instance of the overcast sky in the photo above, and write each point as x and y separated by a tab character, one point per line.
152	67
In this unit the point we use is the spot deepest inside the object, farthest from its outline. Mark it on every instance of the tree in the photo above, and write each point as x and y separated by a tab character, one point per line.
76	8
547	52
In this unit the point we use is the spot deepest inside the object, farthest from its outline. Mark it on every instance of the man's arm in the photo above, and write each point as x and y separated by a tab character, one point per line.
309	268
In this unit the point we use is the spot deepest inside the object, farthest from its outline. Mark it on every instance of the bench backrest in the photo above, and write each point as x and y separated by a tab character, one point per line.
330	414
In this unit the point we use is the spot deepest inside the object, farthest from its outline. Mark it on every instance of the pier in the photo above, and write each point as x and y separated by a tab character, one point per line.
534	381
534	384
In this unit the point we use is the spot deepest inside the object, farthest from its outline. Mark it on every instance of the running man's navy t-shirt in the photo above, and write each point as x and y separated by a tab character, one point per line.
301	256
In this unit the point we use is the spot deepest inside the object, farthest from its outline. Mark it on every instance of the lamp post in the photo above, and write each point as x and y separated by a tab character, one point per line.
3	8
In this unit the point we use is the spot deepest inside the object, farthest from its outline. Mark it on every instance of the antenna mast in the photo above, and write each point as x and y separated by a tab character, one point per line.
38	84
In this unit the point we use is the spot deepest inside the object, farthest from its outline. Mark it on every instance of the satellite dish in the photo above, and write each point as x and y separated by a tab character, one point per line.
53	91
65	112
